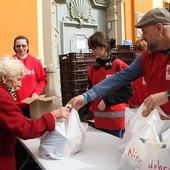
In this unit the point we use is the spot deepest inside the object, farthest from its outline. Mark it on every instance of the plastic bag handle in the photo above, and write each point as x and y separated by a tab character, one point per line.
162	113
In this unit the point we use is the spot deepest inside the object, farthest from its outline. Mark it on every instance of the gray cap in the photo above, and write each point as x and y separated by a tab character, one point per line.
154	16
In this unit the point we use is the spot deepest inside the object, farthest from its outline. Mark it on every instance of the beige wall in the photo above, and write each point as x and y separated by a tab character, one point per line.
36	20
131	7
26	17
18	17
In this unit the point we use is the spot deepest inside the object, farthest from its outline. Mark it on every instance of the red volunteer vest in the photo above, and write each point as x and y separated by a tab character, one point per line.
112	118
156	70
139	91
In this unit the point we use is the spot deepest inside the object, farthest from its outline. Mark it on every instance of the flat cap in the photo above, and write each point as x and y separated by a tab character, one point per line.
154	16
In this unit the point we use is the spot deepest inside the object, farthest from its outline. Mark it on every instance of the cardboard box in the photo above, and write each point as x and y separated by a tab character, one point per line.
41	105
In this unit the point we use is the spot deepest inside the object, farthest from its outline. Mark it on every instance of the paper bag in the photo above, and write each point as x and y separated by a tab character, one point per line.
67	139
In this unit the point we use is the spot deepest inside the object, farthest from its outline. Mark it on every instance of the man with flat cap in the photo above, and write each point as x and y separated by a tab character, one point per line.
153	63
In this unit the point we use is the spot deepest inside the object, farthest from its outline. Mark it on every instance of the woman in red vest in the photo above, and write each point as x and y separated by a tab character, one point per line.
139	85
108	111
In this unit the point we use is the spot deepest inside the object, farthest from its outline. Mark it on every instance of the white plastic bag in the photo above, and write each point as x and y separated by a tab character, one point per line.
129	113
165	137
145	149
138	121
67	139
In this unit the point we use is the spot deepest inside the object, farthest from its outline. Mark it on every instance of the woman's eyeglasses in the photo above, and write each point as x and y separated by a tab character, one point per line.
92	49
21	45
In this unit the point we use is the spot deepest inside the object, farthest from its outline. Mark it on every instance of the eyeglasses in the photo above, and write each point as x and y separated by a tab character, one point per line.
21	45
92	49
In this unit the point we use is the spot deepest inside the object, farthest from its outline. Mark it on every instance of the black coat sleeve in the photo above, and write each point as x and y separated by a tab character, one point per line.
120	96
83	111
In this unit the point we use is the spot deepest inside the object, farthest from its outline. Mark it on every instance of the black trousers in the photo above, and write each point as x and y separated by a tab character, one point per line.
117	133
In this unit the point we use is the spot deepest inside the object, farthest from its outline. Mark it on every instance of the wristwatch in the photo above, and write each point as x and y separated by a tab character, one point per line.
168	94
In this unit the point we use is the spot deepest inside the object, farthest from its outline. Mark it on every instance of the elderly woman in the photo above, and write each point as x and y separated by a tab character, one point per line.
13	123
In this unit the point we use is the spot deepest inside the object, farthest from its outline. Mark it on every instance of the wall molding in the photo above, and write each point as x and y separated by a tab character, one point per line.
100	4
79	12
60	1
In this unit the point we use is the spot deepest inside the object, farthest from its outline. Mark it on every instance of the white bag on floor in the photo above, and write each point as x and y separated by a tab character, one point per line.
67	139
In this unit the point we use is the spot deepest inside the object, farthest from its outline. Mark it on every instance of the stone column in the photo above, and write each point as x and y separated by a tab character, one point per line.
49	13
115	20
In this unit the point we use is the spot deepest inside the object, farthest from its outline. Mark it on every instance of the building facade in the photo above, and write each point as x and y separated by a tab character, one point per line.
56	27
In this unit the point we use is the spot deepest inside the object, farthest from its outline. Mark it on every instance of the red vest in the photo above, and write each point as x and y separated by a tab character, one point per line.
112	118
156	70
139	92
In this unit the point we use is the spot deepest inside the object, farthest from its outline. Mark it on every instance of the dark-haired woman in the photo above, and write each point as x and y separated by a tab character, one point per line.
108	111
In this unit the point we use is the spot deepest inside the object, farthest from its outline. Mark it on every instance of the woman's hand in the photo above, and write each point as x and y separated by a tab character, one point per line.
61	112
102	105
35	96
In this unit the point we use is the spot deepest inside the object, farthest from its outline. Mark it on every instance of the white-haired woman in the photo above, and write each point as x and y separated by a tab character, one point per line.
13	123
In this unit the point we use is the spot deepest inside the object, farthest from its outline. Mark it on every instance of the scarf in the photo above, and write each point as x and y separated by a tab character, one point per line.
10	89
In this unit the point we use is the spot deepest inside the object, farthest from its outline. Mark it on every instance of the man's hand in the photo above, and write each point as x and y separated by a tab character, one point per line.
155	100
77	102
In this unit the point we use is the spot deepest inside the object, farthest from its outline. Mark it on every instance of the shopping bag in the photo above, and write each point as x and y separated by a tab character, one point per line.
147	149
129	113
165	137
67	139
138	120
